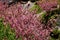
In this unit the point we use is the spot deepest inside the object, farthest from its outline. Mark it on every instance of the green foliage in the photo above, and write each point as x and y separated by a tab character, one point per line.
6	33
55	32
19	38
50	15
36	7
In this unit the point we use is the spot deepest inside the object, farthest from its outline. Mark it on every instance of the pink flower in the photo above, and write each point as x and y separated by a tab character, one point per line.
26	23
48	5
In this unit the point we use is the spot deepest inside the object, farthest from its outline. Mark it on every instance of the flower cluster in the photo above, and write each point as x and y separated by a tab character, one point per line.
26	23
48	5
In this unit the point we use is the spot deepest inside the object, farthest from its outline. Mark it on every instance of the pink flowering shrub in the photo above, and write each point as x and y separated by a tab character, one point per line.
48	5
2	6
26	23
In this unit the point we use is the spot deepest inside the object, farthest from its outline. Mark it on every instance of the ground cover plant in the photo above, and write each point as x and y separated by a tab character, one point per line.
17	23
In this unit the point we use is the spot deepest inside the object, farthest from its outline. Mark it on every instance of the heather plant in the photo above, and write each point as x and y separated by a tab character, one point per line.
48	5
27	24
51	14
6	33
